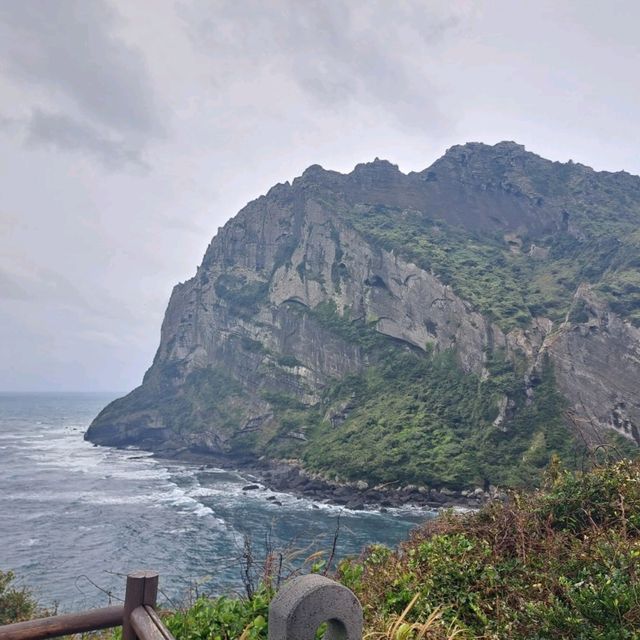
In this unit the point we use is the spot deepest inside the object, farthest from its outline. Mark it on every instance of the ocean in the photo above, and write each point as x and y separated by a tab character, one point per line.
76	518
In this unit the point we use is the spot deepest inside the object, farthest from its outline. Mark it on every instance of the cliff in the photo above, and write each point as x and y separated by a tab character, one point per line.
451	327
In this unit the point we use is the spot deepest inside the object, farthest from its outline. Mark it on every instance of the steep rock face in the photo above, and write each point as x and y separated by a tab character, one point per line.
291	291
332	262
209	323
597	364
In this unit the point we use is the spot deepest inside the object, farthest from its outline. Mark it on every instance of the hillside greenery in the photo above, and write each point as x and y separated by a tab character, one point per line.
421	420
562	562
208	395
512	279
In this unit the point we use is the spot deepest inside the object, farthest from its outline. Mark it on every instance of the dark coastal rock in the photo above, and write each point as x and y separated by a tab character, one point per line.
438	498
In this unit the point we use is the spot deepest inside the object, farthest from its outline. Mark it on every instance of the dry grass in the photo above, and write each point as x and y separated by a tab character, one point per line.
433	628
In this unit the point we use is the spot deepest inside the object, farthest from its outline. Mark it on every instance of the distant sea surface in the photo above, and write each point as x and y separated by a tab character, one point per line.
74	517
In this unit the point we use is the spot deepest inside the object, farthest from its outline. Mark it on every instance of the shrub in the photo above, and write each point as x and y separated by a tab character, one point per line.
563	562
16	604
223	618
288	361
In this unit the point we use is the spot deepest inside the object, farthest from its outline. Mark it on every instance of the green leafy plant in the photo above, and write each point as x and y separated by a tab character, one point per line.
420	419
16	603
561	562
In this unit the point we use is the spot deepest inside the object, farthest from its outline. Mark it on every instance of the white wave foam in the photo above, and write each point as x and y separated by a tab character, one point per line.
132	454
225	490
105	499
30	542
181	498
141	474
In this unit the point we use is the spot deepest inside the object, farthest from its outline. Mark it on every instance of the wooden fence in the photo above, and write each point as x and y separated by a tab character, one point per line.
137	617
295	613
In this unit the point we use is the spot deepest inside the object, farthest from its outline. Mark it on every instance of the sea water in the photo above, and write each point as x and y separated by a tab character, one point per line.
76	518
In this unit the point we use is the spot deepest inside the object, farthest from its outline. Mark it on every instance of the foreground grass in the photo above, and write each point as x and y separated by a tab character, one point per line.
561	562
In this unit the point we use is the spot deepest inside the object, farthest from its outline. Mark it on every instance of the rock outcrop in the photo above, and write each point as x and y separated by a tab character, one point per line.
597	364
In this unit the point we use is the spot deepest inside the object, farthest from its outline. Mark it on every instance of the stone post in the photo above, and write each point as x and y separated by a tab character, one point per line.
304	603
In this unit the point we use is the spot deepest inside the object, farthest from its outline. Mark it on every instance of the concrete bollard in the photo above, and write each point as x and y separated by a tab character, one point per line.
304	603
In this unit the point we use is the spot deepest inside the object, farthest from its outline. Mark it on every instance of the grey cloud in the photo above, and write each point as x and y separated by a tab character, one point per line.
335	52
8	124
38	284
11	289
62	132
70	48
28	282
185	225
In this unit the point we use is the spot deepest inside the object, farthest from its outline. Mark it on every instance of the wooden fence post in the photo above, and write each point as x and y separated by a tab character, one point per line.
142	588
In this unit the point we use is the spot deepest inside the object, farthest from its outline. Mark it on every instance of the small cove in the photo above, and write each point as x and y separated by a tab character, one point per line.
73	514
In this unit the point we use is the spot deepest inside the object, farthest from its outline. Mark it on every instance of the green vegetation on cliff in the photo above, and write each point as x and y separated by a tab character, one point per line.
511	279
421	420
416	418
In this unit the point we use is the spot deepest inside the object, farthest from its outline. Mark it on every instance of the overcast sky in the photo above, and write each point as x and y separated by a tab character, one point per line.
130	130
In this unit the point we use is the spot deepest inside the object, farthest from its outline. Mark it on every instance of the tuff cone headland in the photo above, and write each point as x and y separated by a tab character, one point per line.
451	328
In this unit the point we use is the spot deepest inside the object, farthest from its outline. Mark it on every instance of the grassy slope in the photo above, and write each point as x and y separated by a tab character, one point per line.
420	420
562	562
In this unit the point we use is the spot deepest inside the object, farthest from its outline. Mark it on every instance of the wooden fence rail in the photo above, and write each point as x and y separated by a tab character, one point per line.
137	617
63	625
295	613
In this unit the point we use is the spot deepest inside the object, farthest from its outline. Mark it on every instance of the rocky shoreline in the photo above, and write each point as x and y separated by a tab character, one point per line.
290	477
